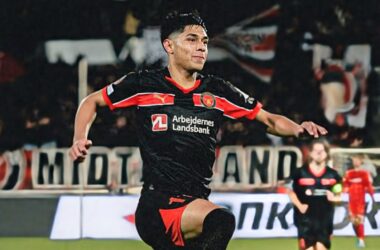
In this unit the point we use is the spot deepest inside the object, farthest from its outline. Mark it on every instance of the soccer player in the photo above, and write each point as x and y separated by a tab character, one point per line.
180	111
357	182
313	199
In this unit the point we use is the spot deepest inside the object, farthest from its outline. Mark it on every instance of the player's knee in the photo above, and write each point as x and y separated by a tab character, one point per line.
218	227
220	219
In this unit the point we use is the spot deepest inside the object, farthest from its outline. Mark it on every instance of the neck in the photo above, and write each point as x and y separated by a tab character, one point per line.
317	165
183	77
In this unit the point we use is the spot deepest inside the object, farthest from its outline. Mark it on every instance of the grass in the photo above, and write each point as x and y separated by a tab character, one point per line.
17	243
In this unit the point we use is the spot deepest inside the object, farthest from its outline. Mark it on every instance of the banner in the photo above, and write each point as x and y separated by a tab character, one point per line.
53	169
251	43
344	83
14	170
96	51
257	216
236	168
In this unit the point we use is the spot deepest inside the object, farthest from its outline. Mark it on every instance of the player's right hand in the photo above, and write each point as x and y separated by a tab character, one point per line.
310	129
303	208
79	149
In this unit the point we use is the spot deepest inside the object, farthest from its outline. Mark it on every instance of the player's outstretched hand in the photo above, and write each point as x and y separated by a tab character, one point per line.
79	149
312	129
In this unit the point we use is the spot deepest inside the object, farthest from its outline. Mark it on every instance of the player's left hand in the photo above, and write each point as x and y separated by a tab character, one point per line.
332	197
312	129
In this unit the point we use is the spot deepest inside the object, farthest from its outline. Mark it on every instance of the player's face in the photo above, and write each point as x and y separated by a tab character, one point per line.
190	48
318	153
356	162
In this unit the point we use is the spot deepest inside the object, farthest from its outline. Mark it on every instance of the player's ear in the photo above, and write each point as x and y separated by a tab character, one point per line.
168	46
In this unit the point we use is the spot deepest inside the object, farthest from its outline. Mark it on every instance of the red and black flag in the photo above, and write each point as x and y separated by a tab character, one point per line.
251	43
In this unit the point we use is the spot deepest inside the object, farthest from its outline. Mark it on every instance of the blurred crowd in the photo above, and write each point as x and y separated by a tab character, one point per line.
39	99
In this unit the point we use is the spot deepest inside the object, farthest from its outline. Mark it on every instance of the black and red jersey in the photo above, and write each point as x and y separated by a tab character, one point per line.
177	127
310	187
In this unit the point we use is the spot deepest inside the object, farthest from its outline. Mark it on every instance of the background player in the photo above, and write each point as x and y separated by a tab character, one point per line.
313	200
180	112
357	182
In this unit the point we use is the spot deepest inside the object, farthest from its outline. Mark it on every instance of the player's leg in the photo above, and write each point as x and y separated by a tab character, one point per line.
323	242
323	231
309	248
158	219
358	223
149	224
320	246
306	232
357	220
206	225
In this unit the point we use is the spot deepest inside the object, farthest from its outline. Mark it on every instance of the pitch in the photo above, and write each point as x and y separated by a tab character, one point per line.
32	243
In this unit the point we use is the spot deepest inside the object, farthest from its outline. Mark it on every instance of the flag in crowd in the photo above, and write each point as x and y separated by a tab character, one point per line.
251	43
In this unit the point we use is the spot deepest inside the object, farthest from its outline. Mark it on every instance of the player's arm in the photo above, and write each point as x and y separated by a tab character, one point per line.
290	184
296	202
335	194
283	126
369	187
334	197
346	183
84	117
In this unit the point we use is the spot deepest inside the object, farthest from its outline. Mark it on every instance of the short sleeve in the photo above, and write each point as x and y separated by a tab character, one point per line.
123	92
237	104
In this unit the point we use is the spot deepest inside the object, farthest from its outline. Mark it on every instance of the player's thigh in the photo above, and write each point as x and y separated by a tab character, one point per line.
194	215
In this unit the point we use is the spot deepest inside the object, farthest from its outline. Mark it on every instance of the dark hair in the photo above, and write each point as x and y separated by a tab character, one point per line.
175	21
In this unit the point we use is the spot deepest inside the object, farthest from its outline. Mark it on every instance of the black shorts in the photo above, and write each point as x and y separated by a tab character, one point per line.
313	229
158	219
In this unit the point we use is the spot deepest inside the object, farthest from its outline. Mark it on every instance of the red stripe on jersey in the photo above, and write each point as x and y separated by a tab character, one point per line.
172	222
328	182
197	100
153	99
234	111
230	109
184	90
306	181
317	174
142	99
107	99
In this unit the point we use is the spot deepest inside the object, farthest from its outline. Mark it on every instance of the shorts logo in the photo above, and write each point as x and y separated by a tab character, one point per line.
159	122
110	89
251	100
208	100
